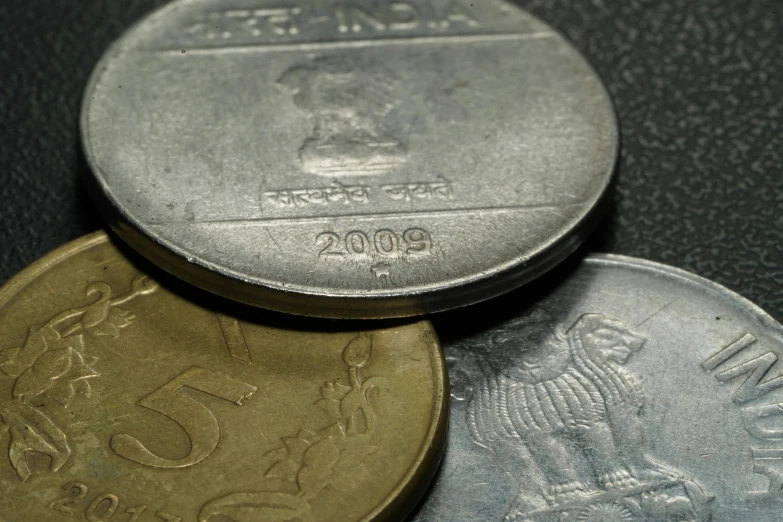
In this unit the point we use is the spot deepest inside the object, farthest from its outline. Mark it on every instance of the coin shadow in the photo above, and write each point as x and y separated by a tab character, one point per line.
246	313
87	217
452	327
93	219
455	327
603	237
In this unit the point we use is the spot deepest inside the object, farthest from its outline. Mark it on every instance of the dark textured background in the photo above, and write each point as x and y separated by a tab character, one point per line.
698	86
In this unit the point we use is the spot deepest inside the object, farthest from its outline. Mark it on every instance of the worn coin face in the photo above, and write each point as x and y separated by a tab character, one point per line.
349	159
120	400
630	392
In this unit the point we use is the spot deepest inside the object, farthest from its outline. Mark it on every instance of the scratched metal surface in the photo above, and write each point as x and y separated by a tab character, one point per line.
628	390
695	83
339	161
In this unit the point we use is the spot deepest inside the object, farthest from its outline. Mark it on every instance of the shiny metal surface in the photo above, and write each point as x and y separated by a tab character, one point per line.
123	400
349	159
632	391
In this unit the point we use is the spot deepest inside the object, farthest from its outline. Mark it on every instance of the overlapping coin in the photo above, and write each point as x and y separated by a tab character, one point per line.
349	159
121	400
631	391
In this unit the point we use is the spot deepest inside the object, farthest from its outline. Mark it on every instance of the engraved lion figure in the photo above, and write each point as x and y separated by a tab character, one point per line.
558	407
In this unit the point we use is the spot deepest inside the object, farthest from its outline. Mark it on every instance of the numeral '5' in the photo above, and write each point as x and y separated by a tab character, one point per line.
198	422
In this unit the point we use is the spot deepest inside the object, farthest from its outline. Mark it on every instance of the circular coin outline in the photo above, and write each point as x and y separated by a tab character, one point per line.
710	291
411	487
335	303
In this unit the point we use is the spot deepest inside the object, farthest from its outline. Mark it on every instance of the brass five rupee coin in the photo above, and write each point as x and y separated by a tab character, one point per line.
122	401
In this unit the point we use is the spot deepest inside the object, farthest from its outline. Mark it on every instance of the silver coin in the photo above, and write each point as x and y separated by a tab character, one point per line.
349	159
631	392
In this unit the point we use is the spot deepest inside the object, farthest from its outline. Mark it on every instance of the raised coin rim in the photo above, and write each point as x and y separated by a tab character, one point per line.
352	304
766	320
411	487
714	290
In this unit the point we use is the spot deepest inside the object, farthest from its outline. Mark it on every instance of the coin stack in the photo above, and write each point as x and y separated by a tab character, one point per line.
271	173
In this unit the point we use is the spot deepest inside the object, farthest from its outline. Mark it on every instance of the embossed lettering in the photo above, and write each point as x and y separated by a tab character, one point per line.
92	510
385	243
234	338
418	241
756	369
281	21
76	493
356	242
752	416
400	16
752	388
331	240
136	512
775	491
403	16
102	508
728	352
339	194
198	422
456	13
232	23
336	194
353	17
441	189
347	17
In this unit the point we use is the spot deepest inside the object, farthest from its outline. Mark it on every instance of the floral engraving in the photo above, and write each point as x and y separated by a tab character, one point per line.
311	462
52	365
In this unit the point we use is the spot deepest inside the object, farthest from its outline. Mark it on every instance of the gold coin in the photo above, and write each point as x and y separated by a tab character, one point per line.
122	401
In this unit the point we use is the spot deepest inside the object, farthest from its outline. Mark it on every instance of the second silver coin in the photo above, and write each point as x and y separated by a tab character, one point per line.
630	391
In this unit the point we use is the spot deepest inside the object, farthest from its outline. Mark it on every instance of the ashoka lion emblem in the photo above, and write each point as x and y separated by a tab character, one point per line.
563	416
348	107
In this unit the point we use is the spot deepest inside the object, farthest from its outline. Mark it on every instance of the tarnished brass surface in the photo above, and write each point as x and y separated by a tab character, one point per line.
122	401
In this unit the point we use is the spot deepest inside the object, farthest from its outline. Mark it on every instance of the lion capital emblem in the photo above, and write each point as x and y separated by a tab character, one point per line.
564	417
348	107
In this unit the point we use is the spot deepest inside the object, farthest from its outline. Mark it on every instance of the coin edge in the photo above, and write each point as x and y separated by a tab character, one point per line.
354	304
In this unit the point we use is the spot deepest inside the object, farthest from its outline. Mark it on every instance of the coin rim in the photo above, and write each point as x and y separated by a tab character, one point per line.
347	304
414	483
766	320
713	290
